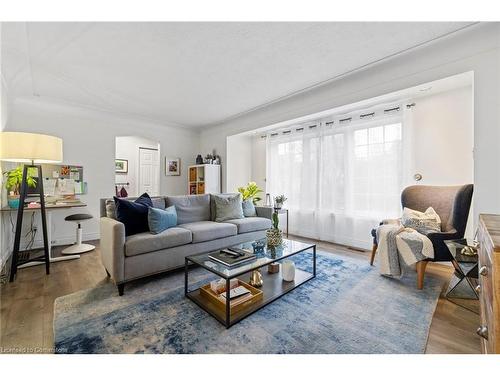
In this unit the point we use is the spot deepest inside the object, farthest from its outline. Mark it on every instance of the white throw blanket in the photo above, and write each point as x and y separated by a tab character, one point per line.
395	242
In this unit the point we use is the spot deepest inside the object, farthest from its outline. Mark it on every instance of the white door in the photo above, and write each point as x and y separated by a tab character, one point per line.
149	171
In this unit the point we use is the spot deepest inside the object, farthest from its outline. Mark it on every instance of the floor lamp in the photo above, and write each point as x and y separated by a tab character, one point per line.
32	150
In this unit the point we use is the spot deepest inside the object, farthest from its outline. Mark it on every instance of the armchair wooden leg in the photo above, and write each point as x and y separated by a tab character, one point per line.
420	273
374	250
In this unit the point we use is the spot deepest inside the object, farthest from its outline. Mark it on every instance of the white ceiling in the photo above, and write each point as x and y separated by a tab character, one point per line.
192	74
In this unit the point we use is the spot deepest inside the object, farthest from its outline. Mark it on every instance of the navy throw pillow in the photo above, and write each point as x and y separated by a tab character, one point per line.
134	215
160	220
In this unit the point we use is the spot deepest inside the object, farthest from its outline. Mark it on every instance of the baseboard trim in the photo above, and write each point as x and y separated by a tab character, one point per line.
66	240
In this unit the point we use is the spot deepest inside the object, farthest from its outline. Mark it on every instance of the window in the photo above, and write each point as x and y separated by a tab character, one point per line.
340	181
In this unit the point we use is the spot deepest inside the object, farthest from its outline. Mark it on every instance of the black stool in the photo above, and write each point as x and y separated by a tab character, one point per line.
78	247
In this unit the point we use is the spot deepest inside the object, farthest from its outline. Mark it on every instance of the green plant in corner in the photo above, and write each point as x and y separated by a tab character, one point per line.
14	178
251	191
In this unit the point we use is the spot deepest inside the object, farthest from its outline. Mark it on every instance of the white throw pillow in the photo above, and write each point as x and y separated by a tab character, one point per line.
422	222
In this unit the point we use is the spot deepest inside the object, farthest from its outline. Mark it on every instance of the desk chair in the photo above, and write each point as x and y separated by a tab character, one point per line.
78	247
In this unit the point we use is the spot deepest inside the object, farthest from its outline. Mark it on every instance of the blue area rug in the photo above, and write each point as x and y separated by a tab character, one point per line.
347	308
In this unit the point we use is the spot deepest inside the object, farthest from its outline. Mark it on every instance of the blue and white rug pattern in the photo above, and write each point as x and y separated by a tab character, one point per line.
347	308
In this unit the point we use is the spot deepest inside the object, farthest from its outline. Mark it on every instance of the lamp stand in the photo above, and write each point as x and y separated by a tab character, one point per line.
19	223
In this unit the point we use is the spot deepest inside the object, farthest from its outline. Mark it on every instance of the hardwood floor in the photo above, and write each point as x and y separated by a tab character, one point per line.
26	306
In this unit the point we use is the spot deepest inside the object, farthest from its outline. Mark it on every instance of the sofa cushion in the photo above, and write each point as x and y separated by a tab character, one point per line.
158	202
147	242
209	230
250	224
213	210
249	208
160	220
134	215
227	208
190	208
422	222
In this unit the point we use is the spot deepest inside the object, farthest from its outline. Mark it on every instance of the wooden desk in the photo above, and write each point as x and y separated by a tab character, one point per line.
49	209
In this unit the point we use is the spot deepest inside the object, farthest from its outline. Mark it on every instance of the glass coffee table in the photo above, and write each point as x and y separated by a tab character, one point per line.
273	286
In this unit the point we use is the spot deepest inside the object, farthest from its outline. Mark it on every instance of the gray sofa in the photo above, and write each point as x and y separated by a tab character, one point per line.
143	254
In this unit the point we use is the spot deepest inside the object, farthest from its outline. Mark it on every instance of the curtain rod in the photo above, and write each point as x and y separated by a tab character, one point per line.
340	120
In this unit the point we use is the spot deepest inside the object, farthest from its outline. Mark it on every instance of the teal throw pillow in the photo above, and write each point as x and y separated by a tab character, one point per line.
249	208
160	220
228	207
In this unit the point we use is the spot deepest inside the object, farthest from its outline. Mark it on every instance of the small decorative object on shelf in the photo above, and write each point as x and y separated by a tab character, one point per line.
273	268
274	235
288	270
256	279
258	246
279	200
199	159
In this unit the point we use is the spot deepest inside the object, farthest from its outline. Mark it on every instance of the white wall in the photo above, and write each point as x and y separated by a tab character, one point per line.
258	173
443	138
239	162
89	140
4	115
476	49
128	148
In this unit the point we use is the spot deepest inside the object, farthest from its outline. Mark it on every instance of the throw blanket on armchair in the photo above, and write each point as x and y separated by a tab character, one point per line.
396	243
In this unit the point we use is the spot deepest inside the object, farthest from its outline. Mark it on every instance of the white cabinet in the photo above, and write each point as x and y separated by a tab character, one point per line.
204	179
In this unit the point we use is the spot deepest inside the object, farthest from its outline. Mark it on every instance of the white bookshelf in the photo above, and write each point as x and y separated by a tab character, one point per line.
204	179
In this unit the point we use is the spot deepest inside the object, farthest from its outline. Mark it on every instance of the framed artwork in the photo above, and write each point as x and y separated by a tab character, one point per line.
121	166
172	166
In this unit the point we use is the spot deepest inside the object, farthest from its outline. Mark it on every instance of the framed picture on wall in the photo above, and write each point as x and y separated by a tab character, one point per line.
121	166
172	166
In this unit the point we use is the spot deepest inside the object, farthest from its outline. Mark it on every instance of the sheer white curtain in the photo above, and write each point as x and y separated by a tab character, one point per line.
340	180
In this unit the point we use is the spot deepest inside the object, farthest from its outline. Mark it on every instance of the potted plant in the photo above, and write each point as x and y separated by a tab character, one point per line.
279	200
251	191
13	181
274	235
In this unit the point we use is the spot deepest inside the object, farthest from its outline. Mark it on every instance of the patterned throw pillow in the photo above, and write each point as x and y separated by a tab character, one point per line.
422	222
228	207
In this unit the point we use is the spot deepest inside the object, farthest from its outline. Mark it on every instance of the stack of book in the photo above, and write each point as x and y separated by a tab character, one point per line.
231	257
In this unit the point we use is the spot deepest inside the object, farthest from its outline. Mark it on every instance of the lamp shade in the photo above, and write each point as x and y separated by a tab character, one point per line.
30	147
